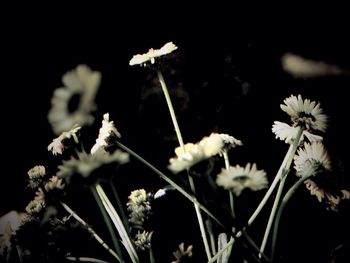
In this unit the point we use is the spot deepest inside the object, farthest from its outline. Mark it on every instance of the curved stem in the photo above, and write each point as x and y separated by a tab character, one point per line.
92	232
107	221
284	166
169	181
285	200
86	259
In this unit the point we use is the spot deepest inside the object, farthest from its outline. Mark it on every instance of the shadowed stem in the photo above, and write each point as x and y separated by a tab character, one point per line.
107	221
285	200
86	259
94	234
286	163
169	181
284	174
227	167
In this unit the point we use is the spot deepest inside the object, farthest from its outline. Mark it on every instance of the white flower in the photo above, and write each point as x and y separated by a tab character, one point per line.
305	113
152	54
54	183
206	148
139	207
300	67
287	133
237	178
311	160
83	82
331	198
88	163
35	206
36	175
106	131
143	240
57	146
182	254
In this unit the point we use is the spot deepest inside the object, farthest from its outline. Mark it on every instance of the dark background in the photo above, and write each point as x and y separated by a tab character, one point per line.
228	78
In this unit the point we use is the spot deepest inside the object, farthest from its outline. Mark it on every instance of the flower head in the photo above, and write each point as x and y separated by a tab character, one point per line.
107	131
86	163
143	240
237	178
311	160
288	133
305	113
139	207
206	148
152	54
58	144
83	82
36	176
182	254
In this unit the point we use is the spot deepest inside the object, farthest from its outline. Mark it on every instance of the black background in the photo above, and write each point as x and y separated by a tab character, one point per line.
232	81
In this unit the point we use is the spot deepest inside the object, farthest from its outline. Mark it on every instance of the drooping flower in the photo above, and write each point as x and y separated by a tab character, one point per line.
143	240
107	131
86	163
206	148
237	178
152	54
314	160
287	133
58	144
305	113
311	160
82	82
182	254
36	176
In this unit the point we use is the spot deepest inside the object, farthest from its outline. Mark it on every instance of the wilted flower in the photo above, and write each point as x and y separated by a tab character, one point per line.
305	113
182	254
36	175
107	131
58	144
143	240
152	54
237	178
83	82
206	148
139	207
287	133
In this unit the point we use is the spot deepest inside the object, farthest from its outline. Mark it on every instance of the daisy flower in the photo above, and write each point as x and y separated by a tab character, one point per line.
81	82
86	163
287	133
237	178
57	145
143	240
206	148
311	160
152	54
305	113
107	131
314	160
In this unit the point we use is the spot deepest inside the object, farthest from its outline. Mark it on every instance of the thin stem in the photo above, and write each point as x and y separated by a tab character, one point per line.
171	109
285	165
211	236
86	259
117	223
285	200
151	256
94	234
284	174
272	214
107	222
227	167
119	204
169	181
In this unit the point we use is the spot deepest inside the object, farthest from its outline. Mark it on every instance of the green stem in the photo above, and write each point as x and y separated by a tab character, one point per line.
169	181
171	109
119	205
211	236
107	222
272	214
285	200
117	223
86	259
284	173
227	167
284	166
92	232
151	255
